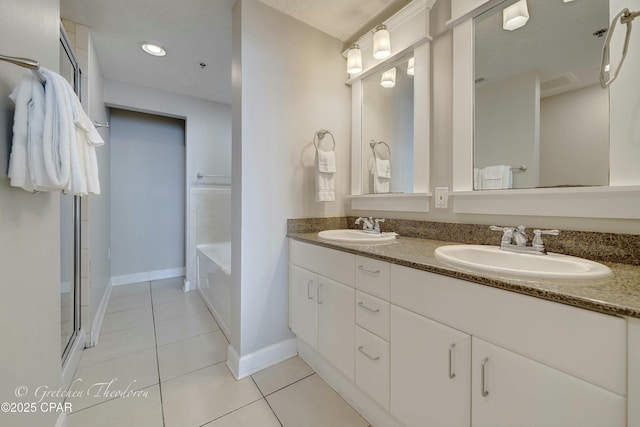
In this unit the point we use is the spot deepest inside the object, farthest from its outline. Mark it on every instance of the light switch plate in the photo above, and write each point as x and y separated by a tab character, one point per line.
442	197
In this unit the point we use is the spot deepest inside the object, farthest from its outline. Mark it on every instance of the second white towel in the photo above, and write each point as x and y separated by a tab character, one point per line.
381	175
325	176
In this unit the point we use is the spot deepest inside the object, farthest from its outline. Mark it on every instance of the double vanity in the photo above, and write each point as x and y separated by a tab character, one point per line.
412	333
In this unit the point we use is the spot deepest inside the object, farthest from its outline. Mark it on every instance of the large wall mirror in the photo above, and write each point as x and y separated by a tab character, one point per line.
387	129
541	118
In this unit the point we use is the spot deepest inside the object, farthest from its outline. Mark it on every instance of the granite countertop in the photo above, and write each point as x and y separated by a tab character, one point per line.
618	295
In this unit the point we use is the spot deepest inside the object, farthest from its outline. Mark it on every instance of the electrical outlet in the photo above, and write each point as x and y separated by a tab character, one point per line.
442	198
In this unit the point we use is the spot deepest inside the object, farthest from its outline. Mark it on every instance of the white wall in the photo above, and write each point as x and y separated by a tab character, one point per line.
29	230
288	83
574	138
207	132
147	202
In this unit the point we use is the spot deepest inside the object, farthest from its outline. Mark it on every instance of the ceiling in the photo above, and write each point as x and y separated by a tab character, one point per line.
194	32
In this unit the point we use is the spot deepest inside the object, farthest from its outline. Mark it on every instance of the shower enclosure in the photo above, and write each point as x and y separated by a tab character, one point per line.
69	227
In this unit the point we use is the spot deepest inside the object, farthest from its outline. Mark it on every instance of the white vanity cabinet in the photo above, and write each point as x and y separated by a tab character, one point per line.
411	348
430	372
321	308
512	390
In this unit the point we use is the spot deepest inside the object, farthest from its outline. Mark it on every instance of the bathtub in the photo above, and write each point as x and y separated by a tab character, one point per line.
213	265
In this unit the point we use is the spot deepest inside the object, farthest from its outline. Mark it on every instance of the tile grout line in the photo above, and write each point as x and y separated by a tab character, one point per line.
266	401
296	381
188	338
155	338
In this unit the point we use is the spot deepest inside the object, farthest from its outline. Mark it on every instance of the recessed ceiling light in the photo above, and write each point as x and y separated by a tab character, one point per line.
153	49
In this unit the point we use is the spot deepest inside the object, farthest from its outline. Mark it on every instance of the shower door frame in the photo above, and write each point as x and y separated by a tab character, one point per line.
77	236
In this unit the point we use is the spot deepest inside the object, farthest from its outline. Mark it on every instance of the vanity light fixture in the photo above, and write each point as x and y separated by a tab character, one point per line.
388	78
381	42
153	49
411	67
354	59
515	16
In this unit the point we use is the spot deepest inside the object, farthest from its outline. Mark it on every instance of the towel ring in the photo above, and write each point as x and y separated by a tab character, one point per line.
373	144
319	136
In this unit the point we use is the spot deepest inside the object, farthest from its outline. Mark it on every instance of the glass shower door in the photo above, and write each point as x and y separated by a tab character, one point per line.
69	228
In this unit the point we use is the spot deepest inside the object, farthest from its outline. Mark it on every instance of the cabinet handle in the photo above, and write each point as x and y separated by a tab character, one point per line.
452	348
309	296
361	267
360	349
371	310
483	373
318	294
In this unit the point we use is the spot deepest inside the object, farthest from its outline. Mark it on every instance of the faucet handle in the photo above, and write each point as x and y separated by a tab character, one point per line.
507	233
537	242
377	223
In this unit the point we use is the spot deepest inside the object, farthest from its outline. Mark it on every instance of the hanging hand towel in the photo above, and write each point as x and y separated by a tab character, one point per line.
381	175
325	176
19	171
496	177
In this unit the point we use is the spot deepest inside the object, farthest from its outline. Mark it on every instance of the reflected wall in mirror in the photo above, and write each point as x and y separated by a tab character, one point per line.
387	129
538	101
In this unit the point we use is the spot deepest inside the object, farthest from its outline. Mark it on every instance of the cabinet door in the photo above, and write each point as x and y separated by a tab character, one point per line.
336	329
511	390
302	305
430	372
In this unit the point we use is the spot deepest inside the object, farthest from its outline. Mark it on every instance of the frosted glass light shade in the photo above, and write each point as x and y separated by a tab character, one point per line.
515	16
381	42
153	49
354	59
388	78
411	66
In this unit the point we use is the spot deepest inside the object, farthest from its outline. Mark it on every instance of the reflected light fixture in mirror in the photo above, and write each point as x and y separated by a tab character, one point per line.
515	16
354	59
411	67
381	42
388	78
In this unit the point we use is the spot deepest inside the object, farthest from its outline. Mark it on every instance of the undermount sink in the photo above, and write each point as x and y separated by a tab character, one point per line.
493	259
356	236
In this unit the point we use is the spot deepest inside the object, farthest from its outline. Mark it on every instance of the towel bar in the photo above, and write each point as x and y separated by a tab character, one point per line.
31	64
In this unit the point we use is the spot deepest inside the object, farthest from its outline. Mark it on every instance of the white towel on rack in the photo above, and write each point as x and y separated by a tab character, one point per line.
54	140
496	177
22	96
381	171
325	176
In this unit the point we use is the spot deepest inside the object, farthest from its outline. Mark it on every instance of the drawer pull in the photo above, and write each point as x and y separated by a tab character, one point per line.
361	267
483	372
360	349
452	348
309	295
318	294
370	310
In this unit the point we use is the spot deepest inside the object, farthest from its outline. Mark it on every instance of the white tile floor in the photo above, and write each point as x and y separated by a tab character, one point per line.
160	363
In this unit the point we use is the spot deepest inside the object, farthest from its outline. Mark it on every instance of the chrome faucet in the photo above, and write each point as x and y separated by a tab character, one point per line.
370	225
514	239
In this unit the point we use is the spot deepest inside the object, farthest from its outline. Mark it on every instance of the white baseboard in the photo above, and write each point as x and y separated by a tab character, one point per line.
367	407
146	276
251	363
98	317
70	366
186	285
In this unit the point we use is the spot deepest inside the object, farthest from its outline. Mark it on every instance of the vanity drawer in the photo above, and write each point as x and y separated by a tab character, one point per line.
372	366
372	276
335	265
372	314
